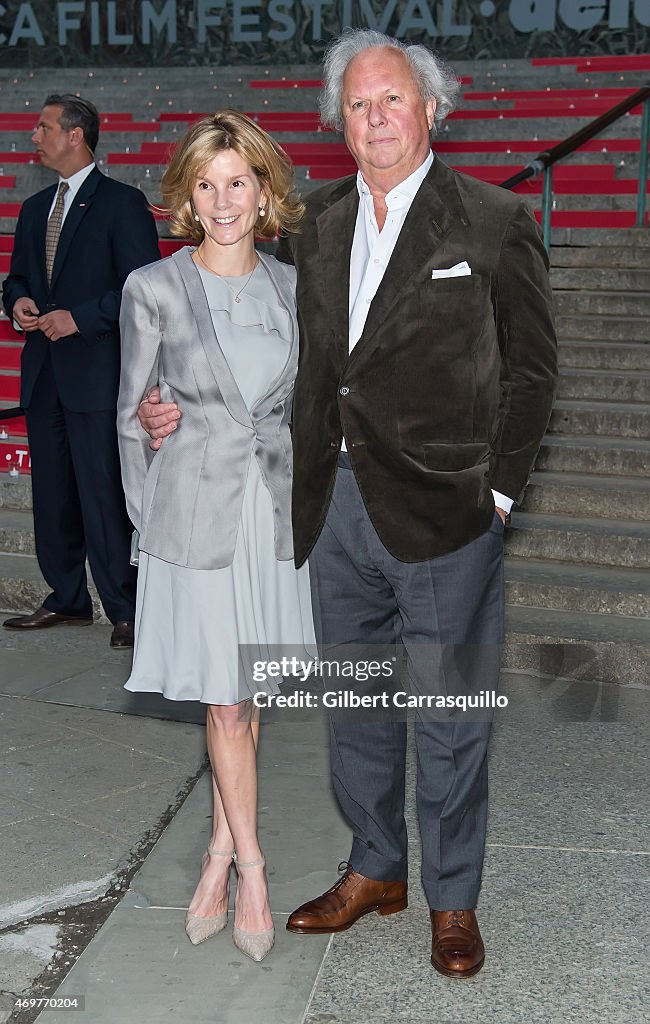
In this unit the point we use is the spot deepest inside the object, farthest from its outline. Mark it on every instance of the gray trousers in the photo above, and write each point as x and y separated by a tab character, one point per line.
363	594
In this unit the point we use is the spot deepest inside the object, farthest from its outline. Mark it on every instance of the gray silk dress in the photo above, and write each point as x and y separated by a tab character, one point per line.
190	623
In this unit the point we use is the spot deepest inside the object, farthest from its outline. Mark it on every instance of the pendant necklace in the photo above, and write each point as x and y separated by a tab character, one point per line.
235	294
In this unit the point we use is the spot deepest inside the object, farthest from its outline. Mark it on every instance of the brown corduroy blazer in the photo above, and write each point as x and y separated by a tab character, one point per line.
449	390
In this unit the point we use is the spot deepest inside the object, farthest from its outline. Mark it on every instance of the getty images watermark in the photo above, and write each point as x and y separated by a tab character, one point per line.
438	681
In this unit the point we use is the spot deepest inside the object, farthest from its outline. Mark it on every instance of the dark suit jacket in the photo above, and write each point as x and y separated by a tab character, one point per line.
449	390
108	232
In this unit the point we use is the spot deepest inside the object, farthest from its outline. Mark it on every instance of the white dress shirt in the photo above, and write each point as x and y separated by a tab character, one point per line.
74	183
371	252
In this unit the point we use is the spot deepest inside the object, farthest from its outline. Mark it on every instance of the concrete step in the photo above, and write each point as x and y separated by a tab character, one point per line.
23	589
605	385
609	303
611	419
15	494
16	531
587	540
628	238
601	326
568	587
578	645
607	278
599	455
627	256
604	355
584	494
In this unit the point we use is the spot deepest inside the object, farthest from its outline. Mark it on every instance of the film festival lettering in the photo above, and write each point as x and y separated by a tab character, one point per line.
176	31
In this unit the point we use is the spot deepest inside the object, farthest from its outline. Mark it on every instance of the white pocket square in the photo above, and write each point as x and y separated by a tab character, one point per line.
460	270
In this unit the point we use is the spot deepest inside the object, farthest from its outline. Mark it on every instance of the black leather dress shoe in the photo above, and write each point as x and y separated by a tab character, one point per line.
44	619
122	635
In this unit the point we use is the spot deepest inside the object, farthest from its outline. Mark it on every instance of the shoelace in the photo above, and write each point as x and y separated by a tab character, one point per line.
457	917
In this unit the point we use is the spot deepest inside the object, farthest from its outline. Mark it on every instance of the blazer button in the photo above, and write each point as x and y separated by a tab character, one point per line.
344	391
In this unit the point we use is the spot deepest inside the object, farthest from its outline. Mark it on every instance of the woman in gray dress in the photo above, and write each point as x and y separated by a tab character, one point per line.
215	327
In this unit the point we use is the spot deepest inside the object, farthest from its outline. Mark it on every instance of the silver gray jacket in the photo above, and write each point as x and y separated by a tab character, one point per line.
185	500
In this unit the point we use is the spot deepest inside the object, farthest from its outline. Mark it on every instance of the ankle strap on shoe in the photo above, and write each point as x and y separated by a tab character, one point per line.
249	864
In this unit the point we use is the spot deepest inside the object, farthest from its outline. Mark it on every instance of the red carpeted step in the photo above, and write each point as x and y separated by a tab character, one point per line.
533	146
17	454
624	62
9	388
7	332
27	117
18	158
10	357
6	243
9	209
157	147
522	110
295	121
615	93
141	159
168	246
7	181
303	83
15	427
5	261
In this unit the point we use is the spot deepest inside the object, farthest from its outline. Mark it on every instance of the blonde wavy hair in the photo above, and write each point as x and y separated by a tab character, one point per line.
230	129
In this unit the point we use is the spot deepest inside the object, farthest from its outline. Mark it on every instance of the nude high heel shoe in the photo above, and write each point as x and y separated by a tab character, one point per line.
199	929
254	944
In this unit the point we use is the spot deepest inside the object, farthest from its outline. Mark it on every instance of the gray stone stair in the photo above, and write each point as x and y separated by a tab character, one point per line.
604	326
611	385
590	495
607	277
611	419
612	303
578	553
588	540
602	455
603	355
573	587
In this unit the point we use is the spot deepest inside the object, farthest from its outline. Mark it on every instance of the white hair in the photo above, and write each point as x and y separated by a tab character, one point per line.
435	79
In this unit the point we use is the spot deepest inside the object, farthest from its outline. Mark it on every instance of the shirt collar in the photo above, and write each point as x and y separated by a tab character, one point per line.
406	189
76	180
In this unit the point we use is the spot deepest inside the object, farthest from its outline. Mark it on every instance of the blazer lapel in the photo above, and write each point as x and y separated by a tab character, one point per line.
80	206
213	352
336	227
435	210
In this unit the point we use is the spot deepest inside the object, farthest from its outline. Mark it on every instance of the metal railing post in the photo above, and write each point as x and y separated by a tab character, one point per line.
643	165
547	206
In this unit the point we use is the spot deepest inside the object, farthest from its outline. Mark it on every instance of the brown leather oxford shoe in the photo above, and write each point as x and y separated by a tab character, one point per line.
457	949
349	899
44	619
122	635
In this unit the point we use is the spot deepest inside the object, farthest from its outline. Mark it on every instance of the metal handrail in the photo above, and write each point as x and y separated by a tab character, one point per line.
544	161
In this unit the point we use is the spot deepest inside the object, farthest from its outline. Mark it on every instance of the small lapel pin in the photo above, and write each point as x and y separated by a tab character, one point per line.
82	204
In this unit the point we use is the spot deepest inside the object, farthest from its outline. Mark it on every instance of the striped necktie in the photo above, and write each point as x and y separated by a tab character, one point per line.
54	230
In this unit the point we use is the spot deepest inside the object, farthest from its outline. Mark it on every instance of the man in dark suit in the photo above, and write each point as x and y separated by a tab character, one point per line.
76	242
425	384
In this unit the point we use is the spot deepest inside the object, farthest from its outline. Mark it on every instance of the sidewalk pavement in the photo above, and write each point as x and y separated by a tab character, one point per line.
106	809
